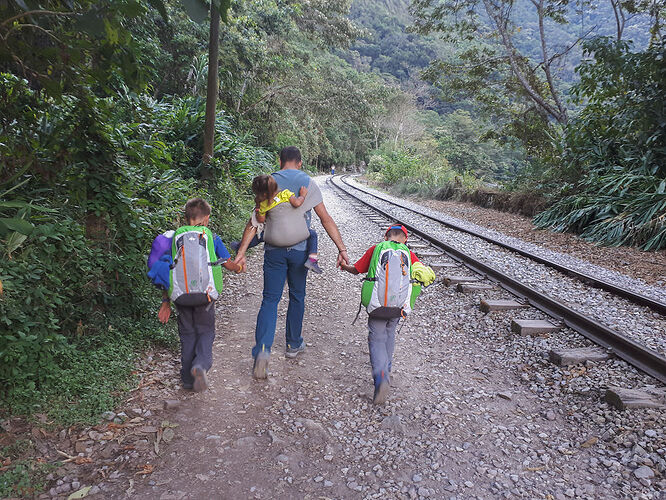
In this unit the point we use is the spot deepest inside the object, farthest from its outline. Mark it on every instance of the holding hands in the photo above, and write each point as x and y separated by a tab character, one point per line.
343	260
241	262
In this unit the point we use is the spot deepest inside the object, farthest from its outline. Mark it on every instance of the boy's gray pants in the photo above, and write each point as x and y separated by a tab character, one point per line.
196	328
381	341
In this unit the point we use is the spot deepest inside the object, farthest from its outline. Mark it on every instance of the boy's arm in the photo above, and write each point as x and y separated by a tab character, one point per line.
232	266
297	201
259	215
349	269
223	254
248	234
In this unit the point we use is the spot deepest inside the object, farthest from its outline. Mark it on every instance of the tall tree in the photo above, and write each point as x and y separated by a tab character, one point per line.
460	21
212	90
197	10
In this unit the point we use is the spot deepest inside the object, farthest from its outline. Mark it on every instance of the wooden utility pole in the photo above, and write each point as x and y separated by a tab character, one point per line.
211	91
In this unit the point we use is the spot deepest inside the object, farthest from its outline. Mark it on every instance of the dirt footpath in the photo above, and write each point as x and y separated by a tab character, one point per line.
473	413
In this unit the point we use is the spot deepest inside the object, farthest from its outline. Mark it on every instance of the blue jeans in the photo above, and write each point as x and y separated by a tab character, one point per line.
281	264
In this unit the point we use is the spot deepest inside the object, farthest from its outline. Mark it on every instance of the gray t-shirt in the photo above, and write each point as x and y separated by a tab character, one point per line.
286	226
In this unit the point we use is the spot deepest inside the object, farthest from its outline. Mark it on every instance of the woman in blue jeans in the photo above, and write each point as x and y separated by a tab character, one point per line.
286	263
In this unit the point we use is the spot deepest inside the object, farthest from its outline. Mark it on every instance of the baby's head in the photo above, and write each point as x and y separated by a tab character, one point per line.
396	233
197	212
264	188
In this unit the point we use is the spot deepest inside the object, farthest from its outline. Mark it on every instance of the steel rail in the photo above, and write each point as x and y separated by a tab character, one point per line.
637	298
634	353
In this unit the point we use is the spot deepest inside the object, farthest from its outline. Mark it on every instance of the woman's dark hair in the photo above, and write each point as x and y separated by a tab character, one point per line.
263	186
290	153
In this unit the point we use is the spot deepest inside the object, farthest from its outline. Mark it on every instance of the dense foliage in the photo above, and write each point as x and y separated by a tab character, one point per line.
592	134
101	134
75	298
417	171
611	169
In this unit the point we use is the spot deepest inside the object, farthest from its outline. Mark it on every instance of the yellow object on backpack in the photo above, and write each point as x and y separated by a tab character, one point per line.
423	274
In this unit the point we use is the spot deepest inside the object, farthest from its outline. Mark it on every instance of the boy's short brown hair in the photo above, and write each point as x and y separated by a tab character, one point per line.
196	209
395	230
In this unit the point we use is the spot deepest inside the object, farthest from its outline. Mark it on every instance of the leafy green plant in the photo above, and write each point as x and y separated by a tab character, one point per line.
24	478
416	173
105	176
611	170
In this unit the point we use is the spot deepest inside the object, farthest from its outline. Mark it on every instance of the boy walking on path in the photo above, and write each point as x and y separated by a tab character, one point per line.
185	264
388	294
285	255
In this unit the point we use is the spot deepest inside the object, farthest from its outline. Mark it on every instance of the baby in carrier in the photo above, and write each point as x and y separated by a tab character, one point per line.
267	196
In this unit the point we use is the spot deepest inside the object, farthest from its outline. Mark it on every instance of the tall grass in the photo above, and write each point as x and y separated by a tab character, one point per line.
408	173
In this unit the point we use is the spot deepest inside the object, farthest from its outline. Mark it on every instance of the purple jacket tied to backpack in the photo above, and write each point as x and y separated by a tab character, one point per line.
161	245
160	260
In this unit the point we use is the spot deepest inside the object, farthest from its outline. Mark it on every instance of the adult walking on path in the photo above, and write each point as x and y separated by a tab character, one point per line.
285	253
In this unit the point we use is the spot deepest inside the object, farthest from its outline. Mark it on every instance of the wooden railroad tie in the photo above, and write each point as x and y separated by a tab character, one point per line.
454	280
438	266
532	326
429	253
646	397
567	357
500	305
474	287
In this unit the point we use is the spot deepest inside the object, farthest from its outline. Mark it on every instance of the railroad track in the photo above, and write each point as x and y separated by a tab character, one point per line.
624	347
637	298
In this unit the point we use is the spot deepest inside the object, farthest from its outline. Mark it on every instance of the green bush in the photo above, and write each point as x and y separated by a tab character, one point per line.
610	174
377	163
103	178
413	173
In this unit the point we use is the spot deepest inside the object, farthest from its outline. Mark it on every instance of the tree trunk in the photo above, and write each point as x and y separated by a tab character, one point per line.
501	24
211	92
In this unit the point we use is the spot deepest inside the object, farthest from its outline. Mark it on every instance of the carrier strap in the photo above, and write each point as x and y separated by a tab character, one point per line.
424	286
360	306
403	324
175	261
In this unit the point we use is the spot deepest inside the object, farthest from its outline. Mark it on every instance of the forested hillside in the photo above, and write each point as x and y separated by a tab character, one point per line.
385	45
539	95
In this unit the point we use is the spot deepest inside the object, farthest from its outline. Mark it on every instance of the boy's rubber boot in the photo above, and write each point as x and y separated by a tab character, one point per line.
381	393
260	368
200	379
